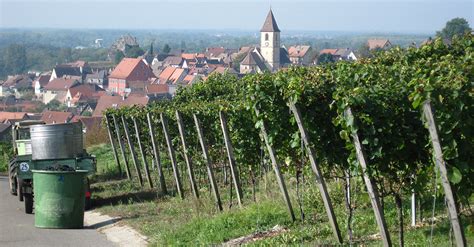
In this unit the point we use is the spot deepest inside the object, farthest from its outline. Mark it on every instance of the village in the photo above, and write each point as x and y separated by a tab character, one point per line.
82	90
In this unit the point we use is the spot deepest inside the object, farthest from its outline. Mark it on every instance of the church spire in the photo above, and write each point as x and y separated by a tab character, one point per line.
270	24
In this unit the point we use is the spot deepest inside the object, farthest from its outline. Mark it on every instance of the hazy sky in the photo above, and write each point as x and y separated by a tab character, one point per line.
319	15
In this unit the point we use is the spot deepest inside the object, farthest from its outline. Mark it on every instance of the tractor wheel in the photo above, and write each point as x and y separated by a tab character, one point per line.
19	189
28	203
13	186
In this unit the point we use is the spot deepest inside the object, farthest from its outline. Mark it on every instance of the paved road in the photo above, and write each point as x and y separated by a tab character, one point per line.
17	228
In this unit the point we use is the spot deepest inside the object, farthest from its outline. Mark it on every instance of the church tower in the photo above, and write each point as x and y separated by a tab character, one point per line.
270	42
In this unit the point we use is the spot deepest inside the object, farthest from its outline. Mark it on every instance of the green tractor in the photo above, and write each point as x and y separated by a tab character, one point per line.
38	146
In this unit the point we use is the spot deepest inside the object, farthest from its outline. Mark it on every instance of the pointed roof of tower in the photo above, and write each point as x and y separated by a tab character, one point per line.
270	24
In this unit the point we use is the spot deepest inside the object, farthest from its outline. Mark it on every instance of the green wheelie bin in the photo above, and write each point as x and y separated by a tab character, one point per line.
59	198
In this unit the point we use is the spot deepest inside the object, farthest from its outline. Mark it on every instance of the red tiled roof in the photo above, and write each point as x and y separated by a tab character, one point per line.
188	56
189	78
4	116
377	43
328	51
108	101
298	51
125	68
60	84
166	74
176	75
43	79
86	90
51	117
157	88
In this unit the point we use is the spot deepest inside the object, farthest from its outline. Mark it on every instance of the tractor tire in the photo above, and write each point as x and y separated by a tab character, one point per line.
28	203
13	186
19	189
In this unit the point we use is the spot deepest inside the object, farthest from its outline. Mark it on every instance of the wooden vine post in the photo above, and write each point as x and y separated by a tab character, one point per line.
122	147
189	163
156	155
142	152
207	159
132	150
276	168
317	172
164	123
107	121
371	188
230	155
438	153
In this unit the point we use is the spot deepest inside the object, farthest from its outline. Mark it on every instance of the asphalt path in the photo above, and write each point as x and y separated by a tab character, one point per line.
17	228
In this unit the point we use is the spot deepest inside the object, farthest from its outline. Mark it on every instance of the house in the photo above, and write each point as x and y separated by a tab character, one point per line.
128	70
345	54
158	92
56	117
83	93
177	76
39	84
108	101
57	89
190	79
17	85
164	76
378	44
173	61
300	54
98	78
12	117
223	70
76	70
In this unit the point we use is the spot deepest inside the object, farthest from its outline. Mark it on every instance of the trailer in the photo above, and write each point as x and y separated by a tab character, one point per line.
38	146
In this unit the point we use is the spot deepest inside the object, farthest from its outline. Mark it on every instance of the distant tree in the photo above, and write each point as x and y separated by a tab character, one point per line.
166	49
15	59
118	57
183	45
364	50
65	55
53	105
133	51
456	26
325	58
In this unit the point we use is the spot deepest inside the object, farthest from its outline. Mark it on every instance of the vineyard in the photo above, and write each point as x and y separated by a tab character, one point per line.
399	124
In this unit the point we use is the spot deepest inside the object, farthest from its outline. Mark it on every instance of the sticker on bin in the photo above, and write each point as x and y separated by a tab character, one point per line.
24	167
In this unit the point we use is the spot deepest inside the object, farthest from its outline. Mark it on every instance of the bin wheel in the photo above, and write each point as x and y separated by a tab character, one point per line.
28	203
19	189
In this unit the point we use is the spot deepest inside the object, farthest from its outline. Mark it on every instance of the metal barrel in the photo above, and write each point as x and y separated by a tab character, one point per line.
56	141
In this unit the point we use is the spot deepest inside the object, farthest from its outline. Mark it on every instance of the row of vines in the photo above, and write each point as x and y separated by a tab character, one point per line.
369	118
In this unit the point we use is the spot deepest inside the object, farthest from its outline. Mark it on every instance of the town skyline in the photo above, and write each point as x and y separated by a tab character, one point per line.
422	16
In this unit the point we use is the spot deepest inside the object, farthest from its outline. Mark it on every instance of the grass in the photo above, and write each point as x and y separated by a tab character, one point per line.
169	220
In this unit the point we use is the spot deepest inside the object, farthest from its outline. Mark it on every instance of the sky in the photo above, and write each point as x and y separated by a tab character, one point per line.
401	16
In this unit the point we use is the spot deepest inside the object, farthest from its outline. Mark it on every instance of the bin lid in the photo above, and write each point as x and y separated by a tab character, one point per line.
59	172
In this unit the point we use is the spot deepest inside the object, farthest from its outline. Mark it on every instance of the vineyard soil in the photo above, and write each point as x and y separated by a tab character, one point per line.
169	220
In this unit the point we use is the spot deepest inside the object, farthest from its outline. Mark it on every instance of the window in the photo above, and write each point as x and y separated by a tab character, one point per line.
266	37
